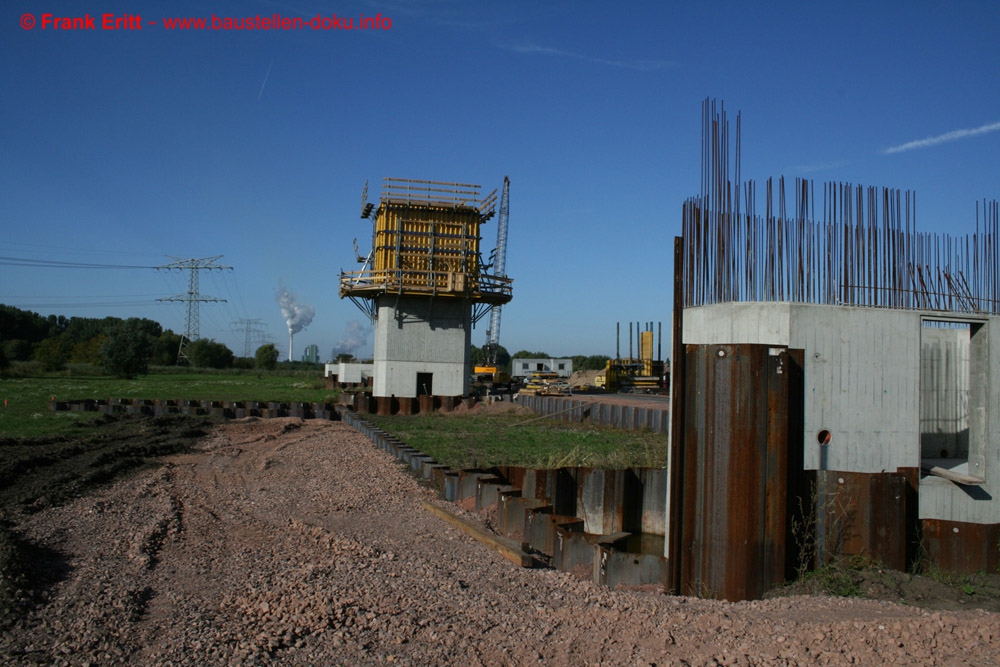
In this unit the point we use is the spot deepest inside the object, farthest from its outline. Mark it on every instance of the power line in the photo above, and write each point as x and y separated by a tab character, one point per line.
56	264
87	304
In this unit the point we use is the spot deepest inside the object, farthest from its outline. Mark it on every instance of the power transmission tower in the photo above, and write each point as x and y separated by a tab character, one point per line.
192	298
252	333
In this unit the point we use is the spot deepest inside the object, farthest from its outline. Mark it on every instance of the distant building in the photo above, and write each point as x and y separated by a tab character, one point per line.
344	374
524	367
311	354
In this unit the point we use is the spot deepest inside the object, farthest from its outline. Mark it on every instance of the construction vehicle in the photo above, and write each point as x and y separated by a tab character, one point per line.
641	374
491	377
545	383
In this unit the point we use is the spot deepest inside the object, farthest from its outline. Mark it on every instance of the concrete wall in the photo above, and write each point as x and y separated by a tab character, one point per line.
862	388
422	335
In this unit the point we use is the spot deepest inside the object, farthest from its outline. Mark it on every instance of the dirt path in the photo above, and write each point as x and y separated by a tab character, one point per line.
289	542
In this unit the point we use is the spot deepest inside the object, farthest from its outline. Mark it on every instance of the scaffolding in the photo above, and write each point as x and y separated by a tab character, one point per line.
426	242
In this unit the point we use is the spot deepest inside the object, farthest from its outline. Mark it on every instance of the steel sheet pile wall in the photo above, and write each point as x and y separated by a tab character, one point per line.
656	418
862	249
863	514
577	517
737	479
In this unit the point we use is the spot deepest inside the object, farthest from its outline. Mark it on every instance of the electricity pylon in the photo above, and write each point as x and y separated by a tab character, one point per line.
192	298
252	333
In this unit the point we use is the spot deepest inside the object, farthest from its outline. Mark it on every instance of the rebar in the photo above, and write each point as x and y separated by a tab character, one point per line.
864	251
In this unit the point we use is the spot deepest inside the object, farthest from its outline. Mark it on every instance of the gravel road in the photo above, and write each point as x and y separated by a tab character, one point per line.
299	543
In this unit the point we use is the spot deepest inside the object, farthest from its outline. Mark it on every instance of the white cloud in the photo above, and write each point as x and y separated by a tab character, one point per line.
640	65
943	138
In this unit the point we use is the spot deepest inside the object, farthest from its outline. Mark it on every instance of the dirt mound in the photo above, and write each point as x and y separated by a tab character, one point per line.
584	378
300	543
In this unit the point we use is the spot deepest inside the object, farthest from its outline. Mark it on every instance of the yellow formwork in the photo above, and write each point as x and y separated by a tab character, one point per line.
427	241
646	352
429	246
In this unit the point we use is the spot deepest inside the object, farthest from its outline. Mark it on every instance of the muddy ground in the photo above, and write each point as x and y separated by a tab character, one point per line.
291	542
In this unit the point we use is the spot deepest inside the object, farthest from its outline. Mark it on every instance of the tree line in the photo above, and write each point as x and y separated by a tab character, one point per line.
123	347
129	347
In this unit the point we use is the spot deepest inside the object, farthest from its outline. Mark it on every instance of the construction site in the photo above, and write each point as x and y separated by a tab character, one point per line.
832	384
829	371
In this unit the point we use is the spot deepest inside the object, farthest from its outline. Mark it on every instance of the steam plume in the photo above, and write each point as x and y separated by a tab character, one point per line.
353	338
297	315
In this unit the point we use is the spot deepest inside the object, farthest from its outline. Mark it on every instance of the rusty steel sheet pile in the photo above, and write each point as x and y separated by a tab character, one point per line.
737	479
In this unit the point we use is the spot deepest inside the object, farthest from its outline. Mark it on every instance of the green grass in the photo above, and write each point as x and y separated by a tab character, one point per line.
25	411
460	440
476	440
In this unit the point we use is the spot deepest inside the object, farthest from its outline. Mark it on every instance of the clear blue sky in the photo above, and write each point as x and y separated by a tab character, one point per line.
128	147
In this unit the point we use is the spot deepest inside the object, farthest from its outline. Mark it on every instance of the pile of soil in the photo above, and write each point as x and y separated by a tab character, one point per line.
583	378
299	543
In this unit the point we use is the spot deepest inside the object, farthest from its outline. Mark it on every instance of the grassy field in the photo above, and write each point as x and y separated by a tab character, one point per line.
459	440
26	397
488	438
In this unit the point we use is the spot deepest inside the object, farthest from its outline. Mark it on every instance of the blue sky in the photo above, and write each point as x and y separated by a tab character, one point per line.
132	147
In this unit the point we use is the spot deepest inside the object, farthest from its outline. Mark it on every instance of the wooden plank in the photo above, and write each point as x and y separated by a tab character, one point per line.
957	477
509	549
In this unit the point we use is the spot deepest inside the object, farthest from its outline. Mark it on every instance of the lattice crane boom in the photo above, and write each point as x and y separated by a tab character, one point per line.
499	269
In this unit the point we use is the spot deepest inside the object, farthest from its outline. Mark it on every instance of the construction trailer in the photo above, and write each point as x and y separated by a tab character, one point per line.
424	285
523	368
836	375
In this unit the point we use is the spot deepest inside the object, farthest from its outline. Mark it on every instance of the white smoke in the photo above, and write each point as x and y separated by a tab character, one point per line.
353	338
297	315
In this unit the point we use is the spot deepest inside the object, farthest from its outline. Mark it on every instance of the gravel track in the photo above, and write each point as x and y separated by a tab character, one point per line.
291	542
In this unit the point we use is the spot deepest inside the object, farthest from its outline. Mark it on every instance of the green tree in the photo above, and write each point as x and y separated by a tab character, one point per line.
266	357
89	351
206	353
476	355
244	363
165	349
592	363
18	349
524	354
4	361
53	353
127	349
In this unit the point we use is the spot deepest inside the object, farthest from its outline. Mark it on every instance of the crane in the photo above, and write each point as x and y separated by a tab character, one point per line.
500	269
